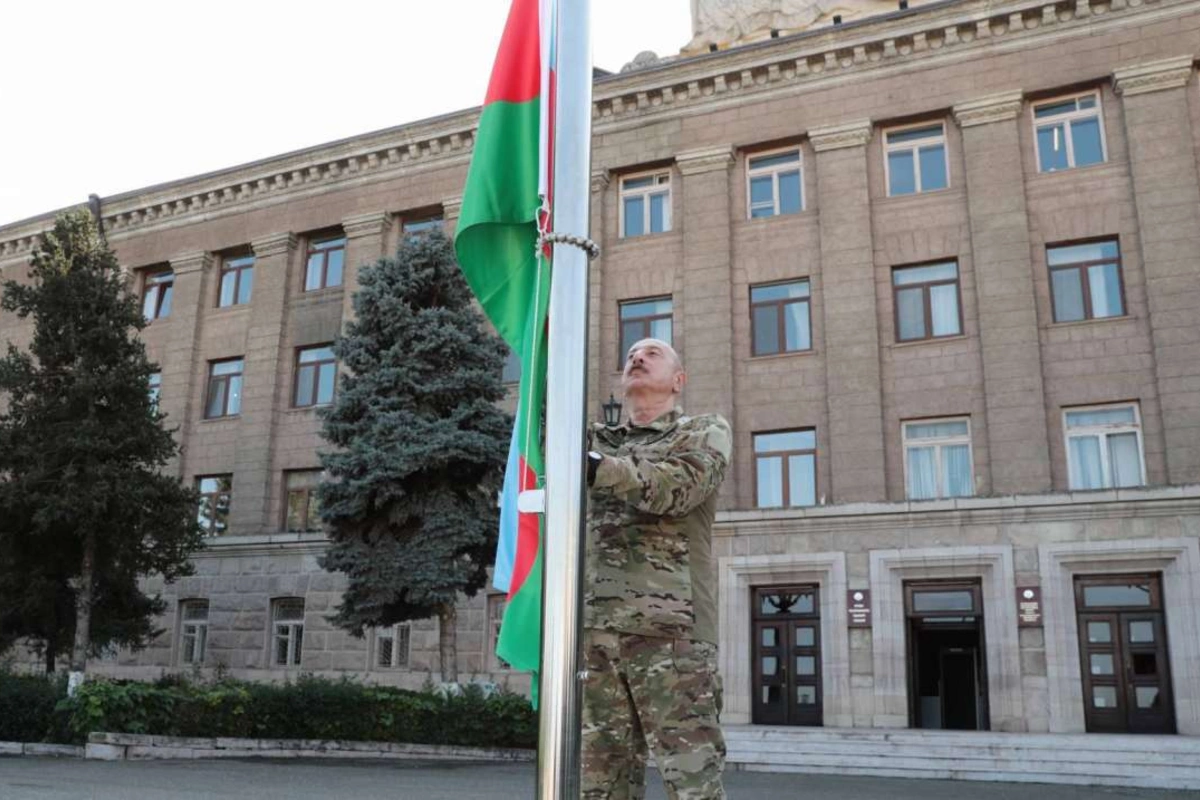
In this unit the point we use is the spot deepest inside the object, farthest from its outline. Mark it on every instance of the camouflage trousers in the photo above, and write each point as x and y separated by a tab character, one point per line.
645	694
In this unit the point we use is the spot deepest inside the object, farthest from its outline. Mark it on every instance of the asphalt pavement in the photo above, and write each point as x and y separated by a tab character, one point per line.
74	779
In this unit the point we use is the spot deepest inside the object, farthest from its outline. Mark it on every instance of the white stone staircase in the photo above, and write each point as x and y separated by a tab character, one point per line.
1164	762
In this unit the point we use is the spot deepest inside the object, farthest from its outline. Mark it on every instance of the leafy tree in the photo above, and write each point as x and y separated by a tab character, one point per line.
410	504
85	509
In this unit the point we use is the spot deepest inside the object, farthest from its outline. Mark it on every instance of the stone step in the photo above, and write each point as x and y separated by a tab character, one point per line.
1013	752
1100	760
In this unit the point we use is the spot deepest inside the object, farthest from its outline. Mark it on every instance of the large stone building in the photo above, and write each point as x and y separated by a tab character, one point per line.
940	268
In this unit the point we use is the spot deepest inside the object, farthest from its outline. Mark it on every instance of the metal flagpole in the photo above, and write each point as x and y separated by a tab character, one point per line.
566	399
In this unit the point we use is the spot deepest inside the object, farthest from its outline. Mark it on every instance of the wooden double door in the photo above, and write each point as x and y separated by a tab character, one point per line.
787	655
1123	649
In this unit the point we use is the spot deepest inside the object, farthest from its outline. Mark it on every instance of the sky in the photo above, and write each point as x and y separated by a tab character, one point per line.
115	96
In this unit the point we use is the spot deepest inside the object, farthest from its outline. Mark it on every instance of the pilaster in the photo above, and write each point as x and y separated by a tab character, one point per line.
179	367
451	210
601	179
263	383
366	241
1162	161
854	440
705	313
1008	320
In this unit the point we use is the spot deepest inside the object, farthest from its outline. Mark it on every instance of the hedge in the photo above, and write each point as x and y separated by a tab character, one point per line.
36	709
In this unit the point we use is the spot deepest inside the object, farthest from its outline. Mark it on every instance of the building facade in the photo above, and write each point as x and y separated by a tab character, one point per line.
940	268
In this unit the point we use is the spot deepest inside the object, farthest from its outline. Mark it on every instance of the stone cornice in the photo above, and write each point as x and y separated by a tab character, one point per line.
918	39
274	245
707	159
191	262
1170	73
834	137
993	108
373	224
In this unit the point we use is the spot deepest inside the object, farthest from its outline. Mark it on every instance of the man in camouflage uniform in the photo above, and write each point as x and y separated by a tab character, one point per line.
650	601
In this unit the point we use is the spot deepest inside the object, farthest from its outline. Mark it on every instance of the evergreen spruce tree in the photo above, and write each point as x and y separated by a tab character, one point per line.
85	509
410	496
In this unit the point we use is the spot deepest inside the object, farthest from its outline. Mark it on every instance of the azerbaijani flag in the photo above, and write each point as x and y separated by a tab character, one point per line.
507	198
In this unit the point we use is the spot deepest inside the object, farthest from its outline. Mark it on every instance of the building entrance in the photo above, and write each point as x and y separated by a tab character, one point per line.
1123	647
787	656
946	664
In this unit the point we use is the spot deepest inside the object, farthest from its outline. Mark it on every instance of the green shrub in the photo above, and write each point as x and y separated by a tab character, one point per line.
28	708
308	708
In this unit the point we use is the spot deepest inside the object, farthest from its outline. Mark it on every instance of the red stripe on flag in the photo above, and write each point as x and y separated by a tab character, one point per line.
527	536
516	76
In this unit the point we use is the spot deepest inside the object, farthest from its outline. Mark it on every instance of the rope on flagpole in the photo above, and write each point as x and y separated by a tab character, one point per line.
582	242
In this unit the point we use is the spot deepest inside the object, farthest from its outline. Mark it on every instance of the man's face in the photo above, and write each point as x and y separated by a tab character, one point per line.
652	369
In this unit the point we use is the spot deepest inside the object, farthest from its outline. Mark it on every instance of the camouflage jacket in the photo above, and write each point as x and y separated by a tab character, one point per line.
649	536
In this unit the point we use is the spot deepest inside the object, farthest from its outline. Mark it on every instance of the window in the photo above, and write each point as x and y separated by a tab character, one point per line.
775	184
1085	281
1104	447
392	646
645	204
915	160
155	391
779	316
644	319
512	368
287	620
325	260
416	228
193	631
926	300
224	389
157	288
785	468
215	492
237	281
303	513
316	376
497	604
1069	132
937	459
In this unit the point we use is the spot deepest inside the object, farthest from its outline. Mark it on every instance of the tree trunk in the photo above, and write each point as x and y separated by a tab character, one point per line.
448	642
83	610
49	660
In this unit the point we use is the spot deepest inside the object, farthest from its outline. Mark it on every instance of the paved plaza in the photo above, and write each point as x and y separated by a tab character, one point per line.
70	779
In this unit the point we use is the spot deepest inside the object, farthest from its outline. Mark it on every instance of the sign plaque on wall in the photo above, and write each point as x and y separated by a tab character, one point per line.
1029	606
858	604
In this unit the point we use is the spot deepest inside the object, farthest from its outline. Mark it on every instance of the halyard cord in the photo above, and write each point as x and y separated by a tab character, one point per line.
582	242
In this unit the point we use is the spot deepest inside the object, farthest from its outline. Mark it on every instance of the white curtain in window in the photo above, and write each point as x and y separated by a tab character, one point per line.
1126	462
770	482
1085	459
943	301
956	469
922	473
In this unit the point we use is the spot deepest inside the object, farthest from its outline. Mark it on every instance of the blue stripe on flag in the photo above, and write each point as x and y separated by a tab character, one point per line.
506	545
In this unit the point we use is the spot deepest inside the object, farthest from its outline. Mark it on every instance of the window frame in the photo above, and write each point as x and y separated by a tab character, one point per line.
781	322
184	623
237	266
400	632
1104	431
153	280
1069	118
623	351
214	379
316	366
938	444
774	172
646	192
494	621
209	524
314	248
294	634
927	300
784	456
308	498
154	388
421	224
914	147
1085	281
